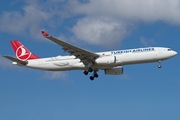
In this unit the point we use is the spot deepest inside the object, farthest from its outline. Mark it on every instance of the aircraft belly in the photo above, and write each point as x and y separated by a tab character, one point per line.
56	65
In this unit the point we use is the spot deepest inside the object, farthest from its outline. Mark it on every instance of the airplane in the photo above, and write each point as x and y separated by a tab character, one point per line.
111	62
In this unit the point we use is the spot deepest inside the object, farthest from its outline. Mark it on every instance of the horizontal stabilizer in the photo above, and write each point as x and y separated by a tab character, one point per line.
16	60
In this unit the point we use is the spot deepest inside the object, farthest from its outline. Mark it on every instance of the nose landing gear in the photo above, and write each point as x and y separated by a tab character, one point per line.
159	64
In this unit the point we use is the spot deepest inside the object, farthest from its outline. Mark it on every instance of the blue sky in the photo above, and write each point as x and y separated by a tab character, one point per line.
143	92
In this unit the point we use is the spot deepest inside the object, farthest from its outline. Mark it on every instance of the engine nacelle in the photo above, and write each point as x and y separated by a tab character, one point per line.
114	71
105	60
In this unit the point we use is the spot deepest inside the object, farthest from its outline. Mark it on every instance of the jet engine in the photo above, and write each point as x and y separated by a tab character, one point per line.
106	60
114	71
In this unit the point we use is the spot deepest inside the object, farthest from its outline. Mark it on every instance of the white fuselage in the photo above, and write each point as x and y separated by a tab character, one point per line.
120	58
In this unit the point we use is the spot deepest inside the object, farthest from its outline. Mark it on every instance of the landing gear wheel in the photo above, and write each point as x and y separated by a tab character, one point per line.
96	75
90	69
92	78
86	72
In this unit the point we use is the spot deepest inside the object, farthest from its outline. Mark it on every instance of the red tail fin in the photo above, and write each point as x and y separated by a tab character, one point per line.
22	53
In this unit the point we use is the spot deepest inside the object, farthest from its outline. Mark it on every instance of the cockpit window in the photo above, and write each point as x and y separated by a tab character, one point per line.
169	50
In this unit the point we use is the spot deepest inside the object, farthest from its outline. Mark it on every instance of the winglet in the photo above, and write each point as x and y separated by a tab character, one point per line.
45	34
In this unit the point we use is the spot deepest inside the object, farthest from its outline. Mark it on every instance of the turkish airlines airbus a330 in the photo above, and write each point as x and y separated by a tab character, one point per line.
111	62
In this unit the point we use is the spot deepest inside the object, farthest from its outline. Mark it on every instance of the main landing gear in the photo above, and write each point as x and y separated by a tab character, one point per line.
87	71
95	75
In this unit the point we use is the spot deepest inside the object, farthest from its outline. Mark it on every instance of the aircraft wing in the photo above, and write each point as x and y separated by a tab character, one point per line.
84	55
16	60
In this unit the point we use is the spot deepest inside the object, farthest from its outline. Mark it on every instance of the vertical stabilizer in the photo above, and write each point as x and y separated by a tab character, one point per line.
22	53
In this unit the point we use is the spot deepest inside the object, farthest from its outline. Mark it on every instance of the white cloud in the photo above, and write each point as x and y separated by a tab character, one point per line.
20	22
99	22
100	31
138	10
55	75
107	22
29	19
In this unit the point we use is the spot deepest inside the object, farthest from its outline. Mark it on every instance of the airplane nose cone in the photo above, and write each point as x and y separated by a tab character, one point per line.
174	53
